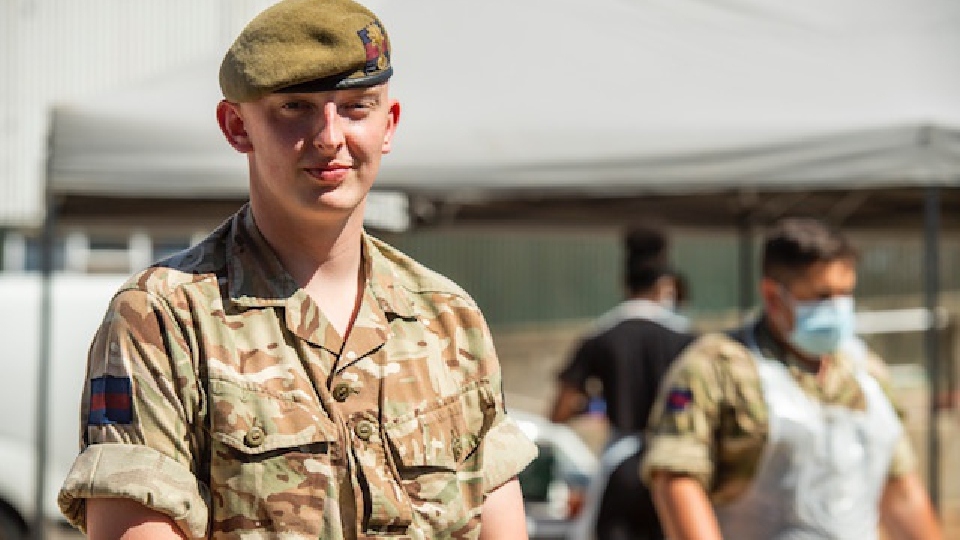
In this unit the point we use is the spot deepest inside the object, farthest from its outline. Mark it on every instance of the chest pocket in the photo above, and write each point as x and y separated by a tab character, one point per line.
273	463
437	455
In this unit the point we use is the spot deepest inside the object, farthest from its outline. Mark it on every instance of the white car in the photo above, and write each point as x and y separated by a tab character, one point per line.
555	484
77	306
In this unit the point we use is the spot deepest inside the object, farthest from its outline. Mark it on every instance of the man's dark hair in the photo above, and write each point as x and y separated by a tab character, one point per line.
647	257
794	244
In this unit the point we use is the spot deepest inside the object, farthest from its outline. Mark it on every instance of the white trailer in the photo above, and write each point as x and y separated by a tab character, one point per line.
78	303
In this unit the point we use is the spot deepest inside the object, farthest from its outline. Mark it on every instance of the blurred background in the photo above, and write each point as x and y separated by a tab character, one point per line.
533	132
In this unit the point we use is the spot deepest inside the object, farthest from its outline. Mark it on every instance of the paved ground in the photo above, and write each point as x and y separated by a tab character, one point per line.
60	532
952	526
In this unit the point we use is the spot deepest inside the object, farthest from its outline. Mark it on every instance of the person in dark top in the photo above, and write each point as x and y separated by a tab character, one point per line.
628	351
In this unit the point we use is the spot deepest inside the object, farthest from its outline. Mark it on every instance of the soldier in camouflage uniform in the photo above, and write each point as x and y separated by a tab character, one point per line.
291	376
786	427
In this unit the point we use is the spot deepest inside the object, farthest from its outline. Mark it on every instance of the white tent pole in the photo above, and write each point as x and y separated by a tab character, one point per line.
931	291
745	261
38	529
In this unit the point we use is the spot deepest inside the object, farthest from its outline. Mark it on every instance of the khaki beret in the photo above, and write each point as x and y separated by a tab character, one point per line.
306	46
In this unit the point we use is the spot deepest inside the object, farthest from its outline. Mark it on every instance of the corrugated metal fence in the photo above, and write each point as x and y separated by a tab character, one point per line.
59	50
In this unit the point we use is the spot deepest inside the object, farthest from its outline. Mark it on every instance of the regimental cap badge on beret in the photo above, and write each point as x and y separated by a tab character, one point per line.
377	47
306	46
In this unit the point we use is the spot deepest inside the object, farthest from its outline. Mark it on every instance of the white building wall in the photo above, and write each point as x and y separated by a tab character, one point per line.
62	50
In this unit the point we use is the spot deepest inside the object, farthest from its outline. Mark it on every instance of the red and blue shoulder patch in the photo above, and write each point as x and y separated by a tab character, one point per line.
678	399
110	401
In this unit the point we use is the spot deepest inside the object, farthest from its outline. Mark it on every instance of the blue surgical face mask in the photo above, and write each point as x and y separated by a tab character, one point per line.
821	325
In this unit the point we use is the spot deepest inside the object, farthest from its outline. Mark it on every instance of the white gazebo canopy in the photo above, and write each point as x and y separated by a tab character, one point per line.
602	97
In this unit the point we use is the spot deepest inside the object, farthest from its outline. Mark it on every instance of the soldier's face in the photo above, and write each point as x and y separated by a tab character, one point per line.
315	153
820	281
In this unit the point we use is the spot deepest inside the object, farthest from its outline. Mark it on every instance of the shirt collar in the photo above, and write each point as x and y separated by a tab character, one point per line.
769	347
384	282
256	278
639	308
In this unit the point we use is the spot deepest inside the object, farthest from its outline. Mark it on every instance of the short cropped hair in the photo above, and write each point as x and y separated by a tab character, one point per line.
647	257
794	244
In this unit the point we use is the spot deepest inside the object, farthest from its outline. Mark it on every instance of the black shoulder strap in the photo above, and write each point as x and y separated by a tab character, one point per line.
739	334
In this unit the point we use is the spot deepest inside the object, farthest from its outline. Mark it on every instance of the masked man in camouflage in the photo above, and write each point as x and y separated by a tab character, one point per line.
785	428
290	376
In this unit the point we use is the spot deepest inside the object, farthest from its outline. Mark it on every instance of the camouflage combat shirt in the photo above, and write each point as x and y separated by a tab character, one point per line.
710	420
218	394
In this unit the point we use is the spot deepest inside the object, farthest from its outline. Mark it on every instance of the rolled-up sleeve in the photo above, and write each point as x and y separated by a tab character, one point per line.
904	458
138	473
685	416
139	416
507	451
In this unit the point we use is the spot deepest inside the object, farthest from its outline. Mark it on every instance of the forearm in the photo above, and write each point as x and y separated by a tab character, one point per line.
906	512
124	519
502	516
569	403
683	507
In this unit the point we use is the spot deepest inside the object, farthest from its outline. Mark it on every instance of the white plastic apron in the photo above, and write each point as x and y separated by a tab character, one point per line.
618	451
824	466
621	446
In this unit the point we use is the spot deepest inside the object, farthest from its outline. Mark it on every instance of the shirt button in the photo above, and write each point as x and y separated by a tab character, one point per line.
254	437
457	447
341	392
364	430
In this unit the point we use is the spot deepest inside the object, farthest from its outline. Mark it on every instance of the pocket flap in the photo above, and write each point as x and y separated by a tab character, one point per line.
443	436
253	420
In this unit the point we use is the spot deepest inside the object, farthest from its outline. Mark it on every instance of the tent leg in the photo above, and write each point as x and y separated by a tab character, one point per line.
745	261
38	526
931	291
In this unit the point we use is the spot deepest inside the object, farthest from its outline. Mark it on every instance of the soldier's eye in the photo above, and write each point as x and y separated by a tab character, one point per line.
362	104
295	105
358	109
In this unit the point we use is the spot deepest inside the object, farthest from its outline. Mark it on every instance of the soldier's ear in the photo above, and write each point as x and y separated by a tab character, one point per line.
393	119
776	301
770	292
231	124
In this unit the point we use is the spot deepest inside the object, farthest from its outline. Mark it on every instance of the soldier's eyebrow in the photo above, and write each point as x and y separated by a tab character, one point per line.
371	97
371	91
